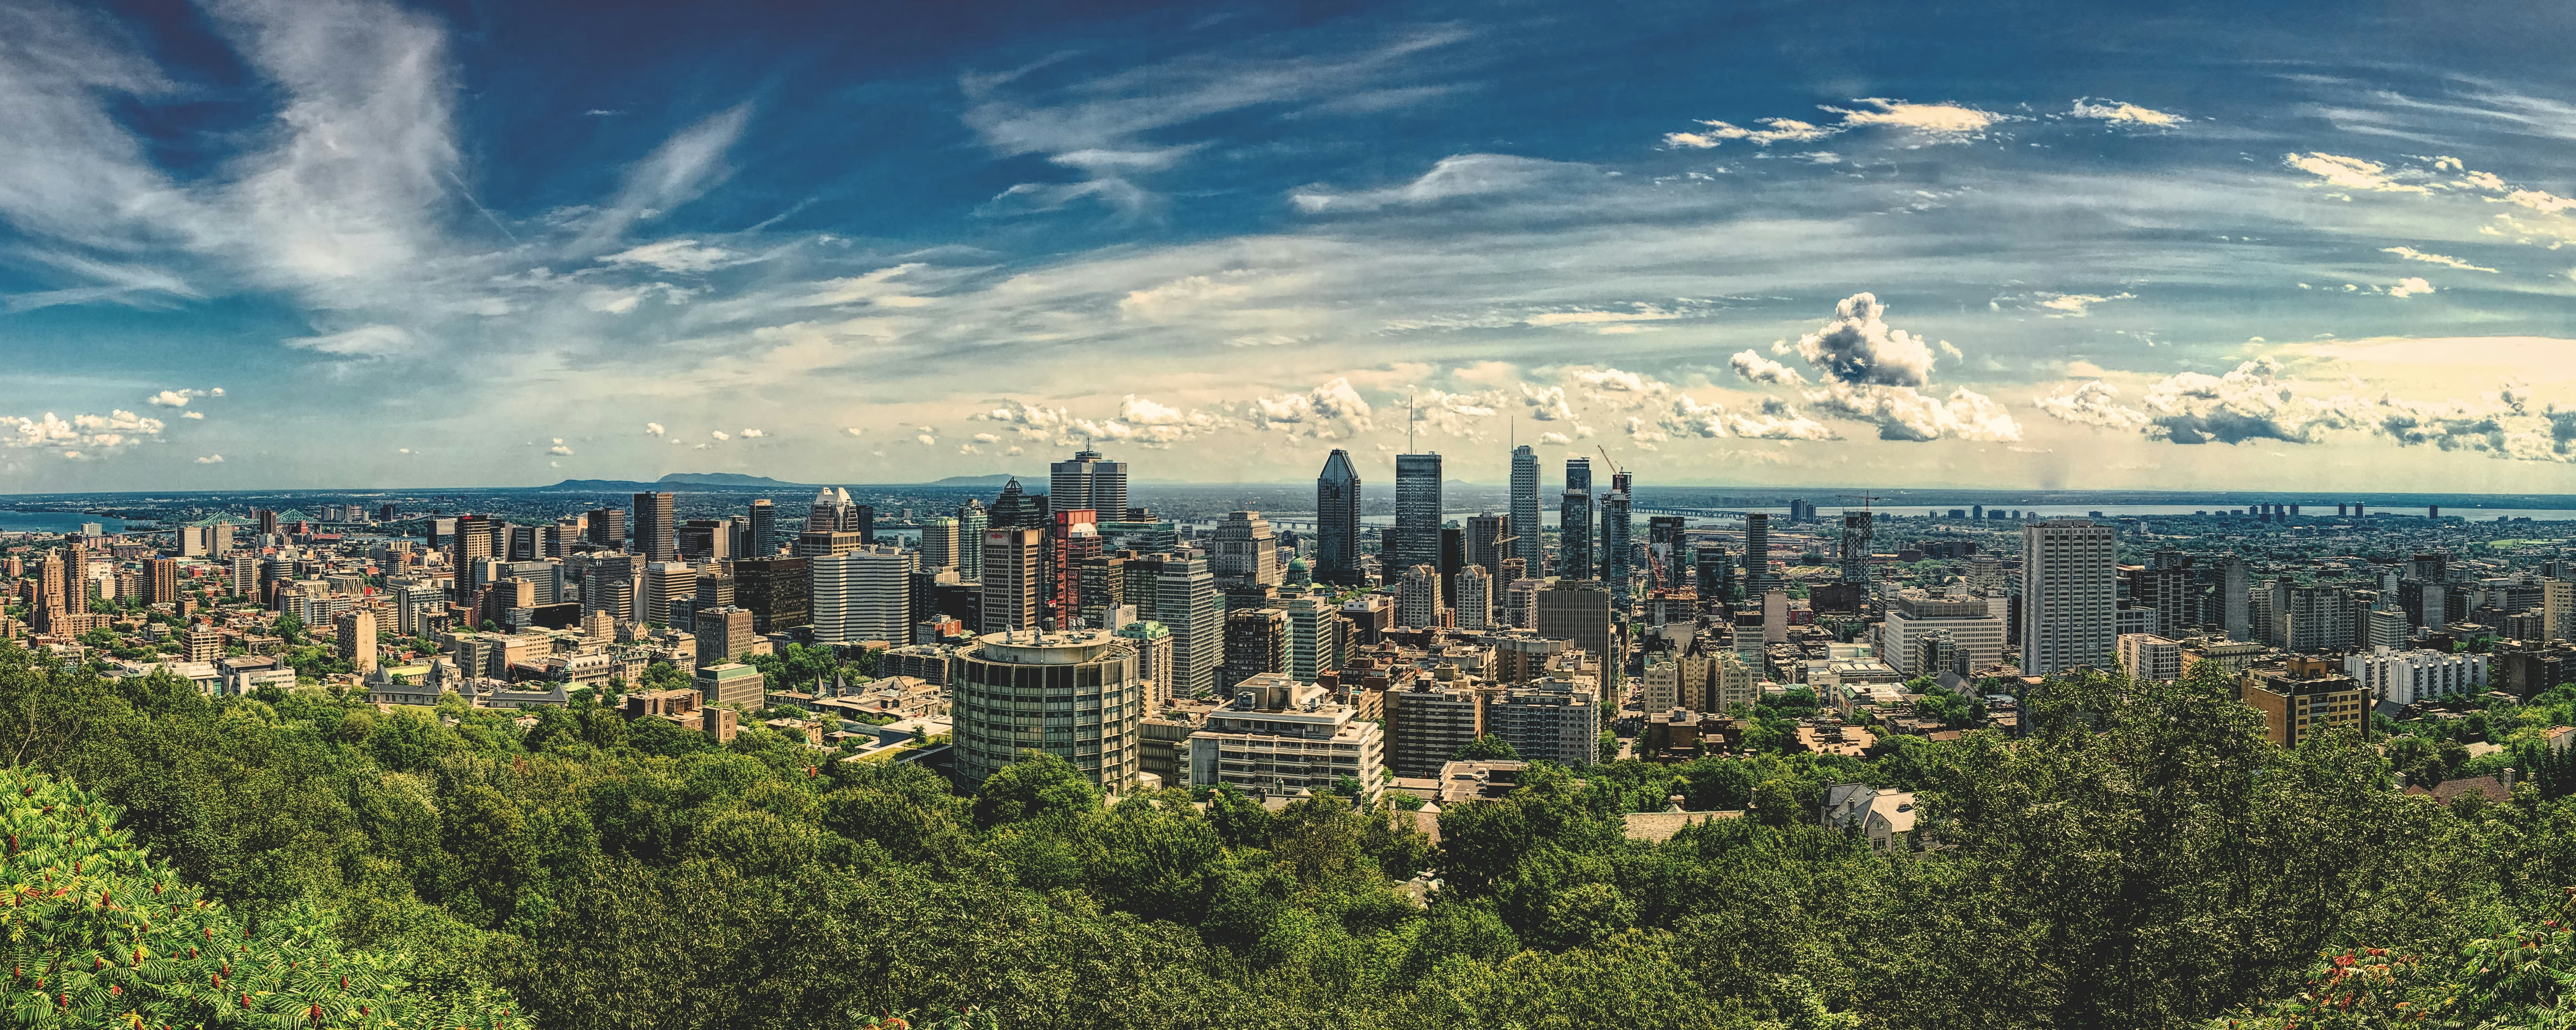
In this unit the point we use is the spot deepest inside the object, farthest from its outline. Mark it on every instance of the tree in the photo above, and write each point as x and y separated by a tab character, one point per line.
1485	749
1039	786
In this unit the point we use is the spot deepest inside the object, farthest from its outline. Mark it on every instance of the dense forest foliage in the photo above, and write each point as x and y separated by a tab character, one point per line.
2143	858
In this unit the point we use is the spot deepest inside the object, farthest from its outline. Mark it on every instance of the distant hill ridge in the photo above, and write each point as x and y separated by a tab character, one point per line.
738	481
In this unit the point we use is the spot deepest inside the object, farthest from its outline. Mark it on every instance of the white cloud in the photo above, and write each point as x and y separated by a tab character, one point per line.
718	434
192	414
366	341
560	449
1546	404
1756	368
2412	254
855	430
749	434
1333	411
2095	403
653	429
674	256
612	302
1775	130
1554	438
1857	346
180	398
2124	114
2077	305
1943	121
1456	178
115	431
2353	173
2409	287
1642	313
211	459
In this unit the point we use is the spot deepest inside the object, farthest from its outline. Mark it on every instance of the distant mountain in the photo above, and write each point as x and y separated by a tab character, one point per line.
731	480
995	479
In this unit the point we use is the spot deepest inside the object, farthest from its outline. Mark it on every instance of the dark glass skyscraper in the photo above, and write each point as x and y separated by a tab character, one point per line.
1417	510
1574	522
762	541
1337	521
656	538
1757	554
1525	511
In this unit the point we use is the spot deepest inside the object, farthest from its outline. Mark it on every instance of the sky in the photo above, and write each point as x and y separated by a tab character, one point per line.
350	243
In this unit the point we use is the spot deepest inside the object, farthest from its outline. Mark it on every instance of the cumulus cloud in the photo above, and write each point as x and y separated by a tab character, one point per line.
1941	121
1756	368
1774	130
1457	414
1554	438
192	414
653	429
855	430
2095	403
1873	372
82	435
2412	254
749	434
179	398
1858	347
2353	173
2247	403
1333	411
211	459
1139	421
1546	403
2118	113
560	449
2409	287
1774	420
1618	388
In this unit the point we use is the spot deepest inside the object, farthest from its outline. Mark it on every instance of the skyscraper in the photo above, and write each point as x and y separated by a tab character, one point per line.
1615	533
1337	521
1417	510
656	537
1757	554
665	582
864	594
939	544
1418	601
1856	546
1525	507
763	539
1574	532
971	524
1186	602
2069	581
1000	678
1012	568
607	527
2235	597
356	629
1475	598
1489	541
1089	482
1244	552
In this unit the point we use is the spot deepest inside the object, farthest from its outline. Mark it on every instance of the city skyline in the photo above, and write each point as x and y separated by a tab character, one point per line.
354	243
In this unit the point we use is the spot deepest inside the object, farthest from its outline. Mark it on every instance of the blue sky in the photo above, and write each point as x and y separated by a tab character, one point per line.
1912	244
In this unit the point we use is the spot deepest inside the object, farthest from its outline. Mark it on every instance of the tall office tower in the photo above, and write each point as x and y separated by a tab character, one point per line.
356	629
2430	566
776	590
1186	602
1574	533
1337	522
1578	474
656	536
608	585
939	543
1855	546
473	543
1757	554
1012	568
861	595
527	543
1088	671
1012	508
1104	591
715	588
971	524
1664	550
762	541
267	522
1256	642
1417	599
1713	572
2168	590
1475	598
1580	612
665	582
1152	642
1489	542
163	585
1244	552
1089	482
1417	510
1073	537
607	527
1615	533
2235	598
245	574
823	515
2316	618
2069	579
1318	638
2436	602
1525	521
705	540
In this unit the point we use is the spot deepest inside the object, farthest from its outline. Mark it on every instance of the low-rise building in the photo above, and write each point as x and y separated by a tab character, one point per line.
1279	736
2303	698
733	684
2415	676
2147	656
1884	818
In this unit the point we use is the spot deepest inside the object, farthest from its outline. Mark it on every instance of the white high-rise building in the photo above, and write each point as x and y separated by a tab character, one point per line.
1417	601
1525	524
1318	638
1974	627
1475	598
2069	580
864	594
1186	602
2409	677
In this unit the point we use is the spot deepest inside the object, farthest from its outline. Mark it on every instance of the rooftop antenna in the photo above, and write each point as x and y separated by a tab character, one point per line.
1412	417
